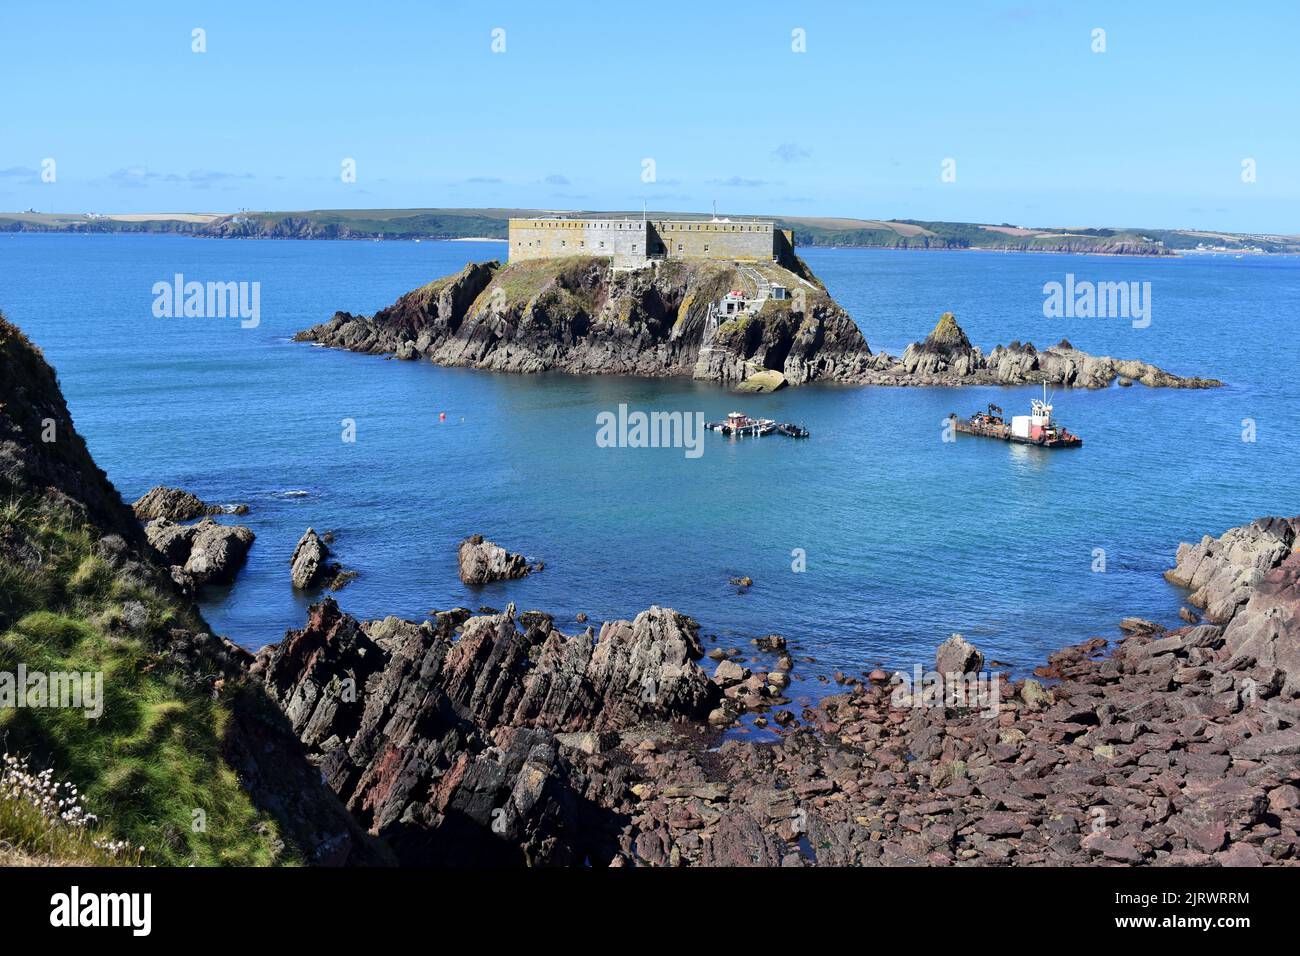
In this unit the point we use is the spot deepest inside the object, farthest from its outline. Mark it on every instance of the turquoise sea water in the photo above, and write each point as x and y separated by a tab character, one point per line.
907	538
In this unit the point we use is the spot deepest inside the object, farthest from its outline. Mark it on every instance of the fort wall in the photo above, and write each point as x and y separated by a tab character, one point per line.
630	241
624	240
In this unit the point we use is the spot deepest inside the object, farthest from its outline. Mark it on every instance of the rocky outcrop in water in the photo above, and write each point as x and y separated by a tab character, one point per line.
1247	579
1223	572
577	315
958	656
174	504
310	565
482	562
199	554
947	357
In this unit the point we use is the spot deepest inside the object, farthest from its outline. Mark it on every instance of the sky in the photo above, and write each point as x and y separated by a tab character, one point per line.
969	111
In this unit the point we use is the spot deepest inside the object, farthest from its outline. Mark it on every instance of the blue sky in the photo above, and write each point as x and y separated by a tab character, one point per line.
1044	131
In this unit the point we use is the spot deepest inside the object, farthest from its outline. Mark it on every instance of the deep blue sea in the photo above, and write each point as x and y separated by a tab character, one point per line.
907	538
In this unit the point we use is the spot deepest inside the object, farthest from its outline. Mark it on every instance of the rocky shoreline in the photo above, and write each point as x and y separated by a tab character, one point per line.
498	739
576	315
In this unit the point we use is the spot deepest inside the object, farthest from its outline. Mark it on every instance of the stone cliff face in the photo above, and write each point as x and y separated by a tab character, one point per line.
577	315
1248	581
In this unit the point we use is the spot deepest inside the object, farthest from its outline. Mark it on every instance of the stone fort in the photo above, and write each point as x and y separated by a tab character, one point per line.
633	242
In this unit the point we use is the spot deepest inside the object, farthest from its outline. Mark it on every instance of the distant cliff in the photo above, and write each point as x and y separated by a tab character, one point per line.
577	315
489	223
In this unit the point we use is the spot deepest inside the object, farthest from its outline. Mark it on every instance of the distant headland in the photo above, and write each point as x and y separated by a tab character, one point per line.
493	223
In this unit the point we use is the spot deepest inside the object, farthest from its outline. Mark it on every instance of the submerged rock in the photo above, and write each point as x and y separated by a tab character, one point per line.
768	380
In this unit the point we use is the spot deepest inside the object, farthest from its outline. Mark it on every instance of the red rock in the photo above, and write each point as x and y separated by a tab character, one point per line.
1239	854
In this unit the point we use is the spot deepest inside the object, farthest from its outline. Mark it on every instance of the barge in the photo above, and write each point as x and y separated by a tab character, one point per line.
1036	428
741	425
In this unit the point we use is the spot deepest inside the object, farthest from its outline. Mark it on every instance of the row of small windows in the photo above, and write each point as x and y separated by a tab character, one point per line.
699	227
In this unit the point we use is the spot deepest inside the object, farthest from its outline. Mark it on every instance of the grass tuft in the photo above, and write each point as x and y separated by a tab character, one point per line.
150	766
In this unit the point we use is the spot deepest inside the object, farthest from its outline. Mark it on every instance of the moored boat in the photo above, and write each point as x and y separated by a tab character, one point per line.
740	424
1036	428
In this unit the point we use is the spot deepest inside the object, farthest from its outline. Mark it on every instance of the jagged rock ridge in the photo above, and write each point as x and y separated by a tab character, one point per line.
446	746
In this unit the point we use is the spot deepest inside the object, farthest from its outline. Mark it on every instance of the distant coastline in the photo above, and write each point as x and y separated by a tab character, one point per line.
490	225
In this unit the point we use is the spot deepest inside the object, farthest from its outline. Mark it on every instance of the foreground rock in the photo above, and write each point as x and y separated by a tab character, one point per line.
446	747
958	656
199	554
1223	572
173	504
577	315
482	562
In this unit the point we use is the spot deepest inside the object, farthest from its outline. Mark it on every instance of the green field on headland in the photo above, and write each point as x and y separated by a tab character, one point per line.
808	230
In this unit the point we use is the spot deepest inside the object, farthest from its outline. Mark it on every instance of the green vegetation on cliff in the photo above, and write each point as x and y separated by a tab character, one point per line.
73	601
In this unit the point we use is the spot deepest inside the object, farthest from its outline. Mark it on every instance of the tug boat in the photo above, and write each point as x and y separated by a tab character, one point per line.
741	425
1036	428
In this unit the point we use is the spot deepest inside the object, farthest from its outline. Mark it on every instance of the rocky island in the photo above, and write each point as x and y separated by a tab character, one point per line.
727	314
